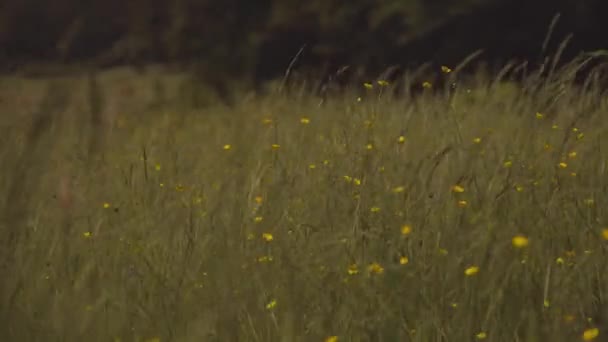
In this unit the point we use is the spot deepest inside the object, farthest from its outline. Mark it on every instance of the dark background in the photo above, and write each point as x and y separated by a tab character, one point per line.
254	40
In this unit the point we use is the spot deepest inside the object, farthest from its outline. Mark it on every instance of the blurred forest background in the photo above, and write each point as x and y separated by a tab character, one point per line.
255	41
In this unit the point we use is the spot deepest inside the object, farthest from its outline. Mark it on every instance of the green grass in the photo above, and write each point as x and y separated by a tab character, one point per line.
126	220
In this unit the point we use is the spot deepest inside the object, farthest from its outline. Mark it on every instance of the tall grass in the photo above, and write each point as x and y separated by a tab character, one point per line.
371	217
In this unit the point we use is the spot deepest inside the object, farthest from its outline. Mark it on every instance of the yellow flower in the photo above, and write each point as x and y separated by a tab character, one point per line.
477	140
559	261
353	269
520	241
445	69
471	271
275	146
106	205
305	121
481	335
591	334
375	268
463	204
266	121
562	165
382	83
519	188
555	126
356	181
539	115
457	188
258	219
267	236
227	147
265	258
368	85
87	234
272	304
312	166
443	251
369	146
180	188
605	234
572	154
580	136
507	164
258	199
374	209
427	85
406	230
157	167
404	260
348	179
401	139
398	189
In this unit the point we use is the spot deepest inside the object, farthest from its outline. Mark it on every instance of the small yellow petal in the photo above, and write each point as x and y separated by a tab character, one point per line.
591	334
471	271
520	241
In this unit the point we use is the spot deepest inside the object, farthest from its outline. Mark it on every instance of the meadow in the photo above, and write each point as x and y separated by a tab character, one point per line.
136	209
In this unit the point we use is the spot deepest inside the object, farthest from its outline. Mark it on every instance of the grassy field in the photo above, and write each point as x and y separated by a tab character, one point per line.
132	212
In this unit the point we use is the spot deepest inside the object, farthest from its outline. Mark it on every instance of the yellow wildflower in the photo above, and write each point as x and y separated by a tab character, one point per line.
272	304
446	69
471	271
427	85
404	260
227	147
106	205
481	335
605	234
458	188
353	269
591	334
398	189
304	121
477	140
267	237
375	268
406	230
401	139
520	241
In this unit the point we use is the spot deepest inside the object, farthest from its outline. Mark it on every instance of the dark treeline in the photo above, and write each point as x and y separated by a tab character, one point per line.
256	40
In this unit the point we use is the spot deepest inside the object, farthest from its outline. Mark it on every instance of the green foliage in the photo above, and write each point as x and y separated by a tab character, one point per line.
372	217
